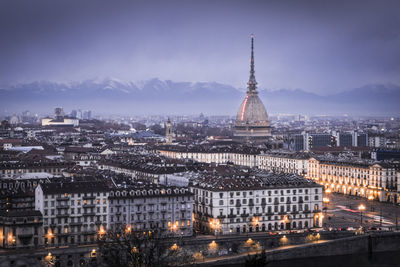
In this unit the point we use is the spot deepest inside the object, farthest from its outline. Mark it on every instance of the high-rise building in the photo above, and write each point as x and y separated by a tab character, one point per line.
316	140
252	123
345	140
74	113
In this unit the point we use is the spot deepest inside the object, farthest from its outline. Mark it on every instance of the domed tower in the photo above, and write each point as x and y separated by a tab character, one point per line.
252	122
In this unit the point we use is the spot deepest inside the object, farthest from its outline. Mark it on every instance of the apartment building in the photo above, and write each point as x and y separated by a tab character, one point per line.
272	161
284	162
263	202
73	212
14	169
21	229
372	180
150	207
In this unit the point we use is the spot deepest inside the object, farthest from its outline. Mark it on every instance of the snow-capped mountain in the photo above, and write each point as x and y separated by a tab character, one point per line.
165	96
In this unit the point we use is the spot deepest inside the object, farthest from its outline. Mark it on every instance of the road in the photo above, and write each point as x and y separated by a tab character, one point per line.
342	211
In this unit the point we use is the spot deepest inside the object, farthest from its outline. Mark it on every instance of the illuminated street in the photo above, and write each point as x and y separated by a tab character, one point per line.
343	211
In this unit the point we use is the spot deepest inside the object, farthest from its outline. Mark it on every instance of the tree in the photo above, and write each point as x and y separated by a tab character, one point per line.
257	260
126	247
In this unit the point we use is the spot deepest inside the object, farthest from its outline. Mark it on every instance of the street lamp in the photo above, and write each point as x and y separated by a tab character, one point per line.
128	229
101	231
215	225
49	236
328	190
49	260
361	208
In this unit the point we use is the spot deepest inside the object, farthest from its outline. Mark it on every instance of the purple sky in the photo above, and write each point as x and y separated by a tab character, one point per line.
319	46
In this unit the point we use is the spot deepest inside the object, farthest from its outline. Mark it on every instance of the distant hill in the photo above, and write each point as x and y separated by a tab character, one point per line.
167	97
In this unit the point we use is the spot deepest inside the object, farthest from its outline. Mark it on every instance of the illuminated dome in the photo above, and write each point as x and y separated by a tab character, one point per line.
252	122
252	111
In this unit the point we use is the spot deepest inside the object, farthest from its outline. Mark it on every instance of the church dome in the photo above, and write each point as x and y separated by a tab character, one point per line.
252	111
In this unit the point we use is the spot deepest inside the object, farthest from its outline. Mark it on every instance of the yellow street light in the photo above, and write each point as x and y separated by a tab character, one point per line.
215	224
213	246
174	247
93	253
249	242
328	190
284	240
102	231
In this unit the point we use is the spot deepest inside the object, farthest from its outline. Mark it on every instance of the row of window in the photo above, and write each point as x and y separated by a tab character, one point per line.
74	211
67	220
250	193
79	202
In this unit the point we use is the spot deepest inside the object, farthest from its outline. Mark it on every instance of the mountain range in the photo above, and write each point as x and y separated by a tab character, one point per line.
157	96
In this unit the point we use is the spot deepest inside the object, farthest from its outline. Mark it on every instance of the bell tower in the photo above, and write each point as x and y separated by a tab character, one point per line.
168	132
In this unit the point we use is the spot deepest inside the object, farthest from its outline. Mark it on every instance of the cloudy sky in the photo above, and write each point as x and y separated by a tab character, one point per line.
319	46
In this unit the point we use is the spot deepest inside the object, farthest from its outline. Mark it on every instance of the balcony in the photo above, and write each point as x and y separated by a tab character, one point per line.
89	213
75	223
238	205
62	215
88	232
66	206
88	197
316	211
231	216
244	215
22	236
62	198
257	214
88	206
221	216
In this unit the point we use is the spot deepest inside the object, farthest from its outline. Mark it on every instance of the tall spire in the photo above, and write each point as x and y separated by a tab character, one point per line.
252	84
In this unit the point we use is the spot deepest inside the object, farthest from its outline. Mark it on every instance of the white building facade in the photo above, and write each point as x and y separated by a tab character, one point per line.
235	206
375	181
72	212
169	210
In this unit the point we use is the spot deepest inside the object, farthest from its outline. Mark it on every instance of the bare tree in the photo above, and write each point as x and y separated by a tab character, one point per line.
136	248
